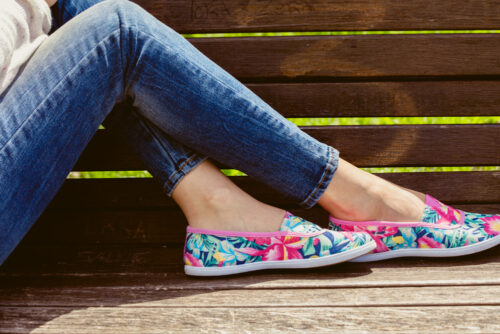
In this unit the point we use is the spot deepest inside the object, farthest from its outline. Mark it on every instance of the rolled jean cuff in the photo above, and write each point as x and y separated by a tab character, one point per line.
327	175
174	179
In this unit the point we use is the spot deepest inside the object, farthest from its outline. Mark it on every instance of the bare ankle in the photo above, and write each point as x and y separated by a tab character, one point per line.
225	209
356	195
210	200
365	206
399	204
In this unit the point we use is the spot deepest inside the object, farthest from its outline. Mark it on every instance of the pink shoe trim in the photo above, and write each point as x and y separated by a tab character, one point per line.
462	217
432	202
252	234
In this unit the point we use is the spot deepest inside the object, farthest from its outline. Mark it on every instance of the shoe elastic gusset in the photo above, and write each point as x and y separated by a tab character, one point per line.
298	244
443	231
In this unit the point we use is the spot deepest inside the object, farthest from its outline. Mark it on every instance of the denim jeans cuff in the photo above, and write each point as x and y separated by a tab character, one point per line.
184	169
327	175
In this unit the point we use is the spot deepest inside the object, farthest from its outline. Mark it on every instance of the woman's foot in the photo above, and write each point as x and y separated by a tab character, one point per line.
210	200
356	195
442	231
230	232
298	244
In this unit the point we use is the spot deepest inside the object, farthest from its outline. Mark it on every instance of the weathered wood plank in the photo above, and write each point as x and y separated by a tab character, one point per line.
475	270
316	15
168	258
411	145
132	193
363	146
442	319
147	296
378	99
77	194
136	227
367	56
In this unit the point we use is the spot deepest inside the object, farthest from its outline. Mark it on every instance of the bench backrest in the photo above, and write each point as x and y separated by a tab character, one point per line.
129	224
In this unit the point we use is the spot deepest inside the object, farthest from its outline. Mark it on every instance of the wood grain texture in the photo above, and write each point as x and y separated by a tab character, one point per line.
449	187
445	319
363	146
309	58
378	99
316	15
477	269
84	258
158	296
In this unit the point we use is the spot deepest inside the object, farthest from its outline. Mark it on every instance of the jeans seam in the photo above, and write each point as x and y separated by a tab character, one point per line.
325	173
147	127
180	170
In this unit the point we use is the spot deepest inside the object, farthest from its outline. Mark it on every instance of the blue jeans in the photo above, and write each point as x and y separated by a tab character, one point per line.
180	107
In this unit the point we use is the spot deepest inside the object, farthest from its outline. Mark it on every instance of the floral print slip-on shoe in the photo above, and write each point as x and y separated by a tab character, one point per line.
442	232
298	244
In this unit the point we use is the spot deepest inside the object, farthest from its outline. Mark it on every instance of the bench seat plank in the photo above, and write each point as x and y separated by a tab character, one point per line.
204	319
477	269
161	257
162	296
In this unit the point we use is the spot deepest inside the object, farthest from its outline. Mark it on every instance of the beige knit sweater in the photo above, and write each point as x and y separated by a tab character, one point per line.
24	25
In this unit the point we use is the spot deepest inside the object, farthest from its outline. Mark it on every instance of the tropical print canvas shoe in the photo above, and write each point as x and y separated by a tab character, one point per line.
443	231
298	244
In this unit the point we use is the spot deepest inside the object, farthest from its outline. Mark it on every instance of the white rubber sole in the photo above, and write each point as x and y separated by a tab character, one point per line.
431	252
286	264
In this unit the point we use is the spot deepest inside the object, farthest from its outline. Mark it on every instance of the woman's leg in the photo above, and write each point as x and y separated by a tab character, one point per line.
195	102
207	197
75	78
353	193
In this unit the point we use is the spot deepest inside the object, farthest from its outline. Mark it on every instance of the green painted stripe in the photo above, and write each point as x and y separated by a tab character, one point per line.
430	169
110	174
341	33
321	121
234	172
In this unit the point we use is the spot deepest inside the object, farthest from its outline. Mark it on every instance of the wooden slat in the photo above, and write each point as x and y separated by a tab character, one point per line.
378	99
449	187
95	258
80	258
316	15
478	269
363	146
442	319
412	145
148	296
142	227
365	56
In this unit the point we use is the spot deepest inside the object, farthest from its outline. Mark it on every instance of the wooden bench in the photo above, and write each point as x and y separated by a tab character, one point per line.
106	256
